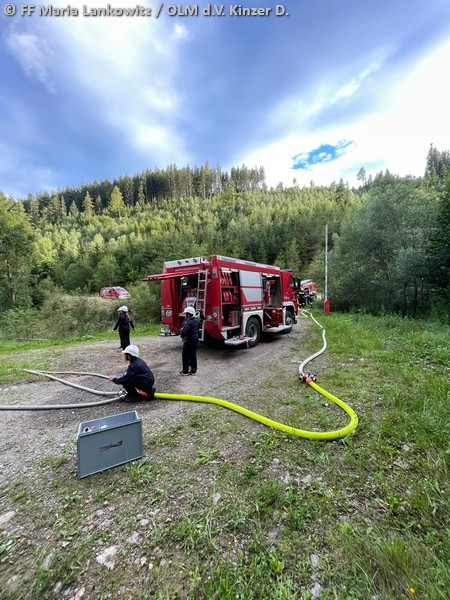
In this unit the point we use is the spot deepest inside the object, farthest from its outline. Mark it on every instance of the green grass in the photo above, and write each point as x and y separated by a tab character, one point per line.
16	355
8	346
241	511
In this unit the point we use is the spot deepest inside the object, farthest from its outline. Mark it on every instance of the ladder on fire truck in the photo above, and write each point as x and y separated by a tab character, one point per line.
201	301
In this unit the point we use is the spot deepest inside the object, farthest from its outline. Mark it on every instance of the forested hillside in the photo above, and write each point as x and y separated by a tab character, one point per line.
389	240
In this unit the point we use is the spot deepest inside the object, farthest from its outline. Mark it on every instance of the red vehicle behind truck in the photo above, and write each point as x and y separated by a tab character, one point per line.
307	292
236	300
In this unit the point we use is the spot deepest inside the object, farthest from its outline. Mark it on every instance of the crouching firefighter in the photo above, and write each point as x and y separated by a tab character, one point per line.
138	380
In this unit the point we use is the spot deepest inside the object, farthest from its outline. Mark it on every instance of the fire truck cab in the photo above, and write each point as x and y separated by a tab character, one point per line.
235	300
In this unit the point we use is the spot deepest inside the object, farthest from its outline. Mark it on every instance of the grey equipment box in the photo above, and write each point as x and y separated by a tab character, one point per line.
108	442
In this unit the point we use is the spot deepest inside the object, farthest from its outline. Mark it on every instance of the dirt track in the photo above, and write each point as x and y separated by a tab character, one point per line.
28	437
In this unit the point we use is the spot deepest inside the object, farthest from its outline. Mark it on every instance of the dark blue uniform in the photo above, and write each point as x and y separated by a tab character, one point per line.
124	326
138	377
189	335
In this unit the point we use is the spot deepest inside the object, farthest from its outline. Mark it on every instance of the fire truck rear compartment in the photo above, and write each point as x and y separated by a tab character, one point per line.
236	300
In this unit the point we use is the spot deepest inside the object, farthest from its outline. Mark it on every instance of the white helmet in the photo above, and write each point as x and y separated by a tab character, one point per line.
123	309
132	350
189	310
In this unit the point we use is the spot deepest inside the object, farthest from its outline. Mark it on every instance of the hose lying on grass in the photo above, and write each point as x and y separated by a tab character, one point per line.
114	396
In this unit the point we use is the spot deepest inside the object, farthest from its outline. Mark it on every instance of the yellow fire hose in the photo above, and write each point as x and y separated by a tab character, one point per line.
308	378
312	435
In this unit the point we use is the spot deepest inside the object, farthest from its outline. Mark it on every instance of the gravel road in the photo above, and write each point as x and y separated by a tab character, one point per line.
28	437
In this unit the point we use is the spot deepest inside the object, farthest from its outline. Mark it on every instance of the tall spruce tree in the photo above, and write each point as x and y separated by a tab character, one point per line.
116	203
16	246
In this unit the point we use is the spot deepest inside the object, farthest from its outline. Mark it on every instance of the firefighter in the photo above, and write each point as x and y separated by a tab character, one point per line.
124	323
189	335
302	297
138	380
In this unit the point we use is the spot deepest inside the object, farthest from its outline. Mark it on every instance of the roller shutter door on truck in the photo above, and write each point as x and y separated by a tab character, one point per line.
251	288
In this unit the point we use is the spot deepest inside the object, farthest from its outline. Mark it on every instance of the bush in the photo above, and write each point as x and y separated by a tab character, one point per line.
20	323
145	302
75	315
64	315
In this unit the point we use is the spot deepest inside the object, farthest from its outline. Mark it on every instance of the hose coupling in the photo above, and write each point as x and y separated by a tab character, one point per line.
307	377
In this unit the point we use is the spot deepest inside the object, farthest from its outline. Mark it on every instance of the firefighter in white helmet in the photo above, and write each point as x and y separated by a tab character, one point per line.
189	335
138	380
125	324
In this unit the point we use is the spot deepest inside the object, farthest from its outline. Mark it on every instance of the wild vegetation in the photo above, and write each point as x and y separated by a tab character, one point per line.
223	508
234	510
389	240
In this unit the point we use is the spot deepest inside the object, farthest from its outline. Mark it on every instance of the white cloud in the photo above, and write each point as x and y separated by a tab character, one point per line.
129	66
395	138
399	137
180	32
347	90
295	112
123	69
34	55
350	88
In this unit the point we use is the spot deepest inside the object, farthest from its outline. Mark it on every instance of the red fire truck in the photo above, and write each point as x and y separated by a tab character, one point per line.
307	292
235	300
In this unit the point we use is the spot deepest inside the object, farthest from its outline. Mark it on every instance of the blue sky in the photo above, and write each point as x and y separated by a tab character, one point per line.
314	96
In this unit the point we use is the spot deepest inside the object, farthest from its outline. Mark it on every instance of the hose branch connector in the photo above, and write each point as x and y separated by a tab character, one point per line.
307	377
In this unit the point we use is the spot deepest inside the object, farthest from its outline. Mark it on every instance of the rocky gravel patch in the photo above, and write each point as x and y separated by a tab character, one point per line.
27	437
35	443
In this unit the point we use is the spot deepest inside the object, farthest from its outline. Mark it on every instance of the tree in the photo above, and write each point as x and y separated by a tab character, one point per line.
98	204
45	255
380	259
107	272
88	207
116	203
291	257
78	277
141	194
73	211
342	194
62	208
33	205
439	271
16	249
127	187
437	166
361	175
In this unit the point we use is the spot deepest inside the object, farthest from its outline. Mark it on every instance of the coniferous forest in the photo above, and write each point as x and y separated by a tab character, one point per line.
389	240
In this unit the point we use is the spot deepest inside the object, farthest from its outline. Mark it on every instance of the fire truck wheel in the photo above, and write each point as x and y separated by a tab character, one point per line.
253	331
289	321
